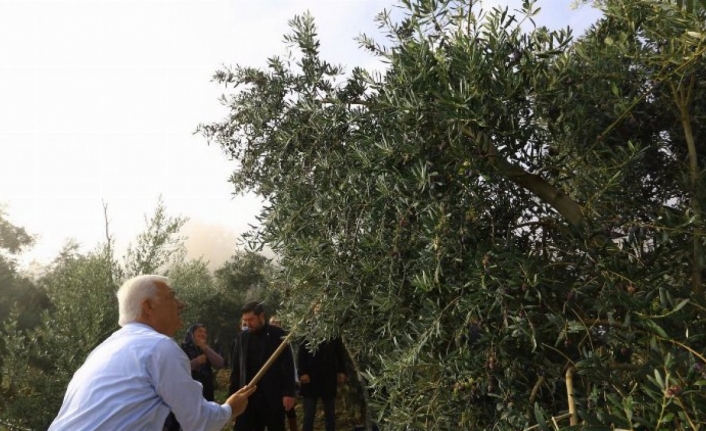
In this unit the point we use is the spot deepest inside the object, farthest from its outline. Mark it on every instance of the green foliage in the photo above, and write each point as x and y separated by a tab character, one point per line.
41	360
12	238
246	274
154	247
16	290
502	212
21	301
206	302
193	284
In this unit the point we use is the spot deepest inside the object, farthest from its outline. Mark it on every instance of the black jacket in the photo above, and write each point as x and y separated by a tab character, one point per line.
322	368
279	379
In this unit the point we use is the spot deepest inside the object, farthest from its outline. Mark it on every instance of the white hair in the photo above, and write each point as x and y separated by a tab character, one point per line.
131	294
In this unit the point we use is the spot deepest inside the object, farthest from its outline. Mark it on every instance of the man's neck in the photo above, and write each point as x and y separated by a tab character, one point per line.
144	321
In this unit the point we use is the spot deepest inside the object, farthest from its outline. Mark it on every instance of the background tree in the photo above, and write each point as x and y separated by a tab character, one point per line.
503	217
154	247
40	361
206	302
245	276
194	285
17	290
21	301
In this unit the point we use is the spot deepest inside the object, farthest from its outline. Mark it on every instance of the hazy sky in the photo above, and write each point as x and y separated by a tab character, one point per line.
99	100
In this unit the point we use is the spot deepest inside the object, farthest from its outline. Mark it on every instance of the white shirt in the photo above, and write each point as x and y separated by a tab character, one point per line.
131	382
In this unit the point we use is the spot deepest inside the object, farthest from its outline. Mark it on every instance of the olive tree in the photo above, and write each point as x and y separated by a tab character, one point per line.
506	224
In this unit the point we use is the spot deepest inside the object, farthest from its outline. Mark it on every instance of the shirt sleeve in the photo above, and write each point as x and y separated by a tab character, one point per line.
169	369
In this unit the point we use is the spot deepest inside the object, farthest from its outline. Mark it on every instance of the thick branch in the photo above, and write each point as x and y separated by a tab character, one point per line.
545	191
683	101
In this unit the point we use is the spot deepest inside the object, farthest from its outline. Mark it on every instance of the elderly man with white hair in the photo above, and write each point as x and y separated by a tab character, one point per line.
134	378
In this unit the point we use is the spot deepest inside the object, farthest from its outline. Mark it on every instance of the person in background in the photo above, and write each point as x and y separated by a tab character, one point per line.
134	378
275	393
291	413
202	360
320	370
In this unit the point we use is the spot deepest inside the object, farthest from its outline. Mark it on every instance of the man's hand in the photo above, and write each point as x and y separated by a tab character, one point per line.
239	400
304	379
288	403
341	377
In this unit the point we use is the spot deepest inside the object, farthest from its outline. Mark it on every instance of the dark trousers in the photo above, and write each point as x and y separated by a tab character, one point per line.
258	415
310	413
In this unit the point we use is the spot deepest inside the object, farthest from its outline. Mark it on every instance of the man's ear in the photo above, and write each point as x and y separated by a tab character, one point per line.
146	305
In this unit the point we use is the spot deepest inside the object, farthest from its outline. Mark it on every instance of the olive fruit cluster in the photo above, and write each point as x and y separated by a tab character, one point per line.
464	385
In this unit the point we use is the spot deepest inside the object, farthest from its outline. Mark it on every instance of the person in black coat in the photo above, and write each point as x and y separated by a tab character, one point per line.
275	392
320	370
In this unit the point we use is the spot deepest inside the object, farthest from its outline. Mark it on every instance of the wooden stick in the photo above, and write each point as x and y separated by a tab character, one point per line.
573	417
283	345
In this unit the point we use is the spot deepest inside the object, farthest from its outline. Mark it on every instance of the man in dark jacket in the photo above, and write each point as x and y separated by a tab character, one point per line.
275	392
320	370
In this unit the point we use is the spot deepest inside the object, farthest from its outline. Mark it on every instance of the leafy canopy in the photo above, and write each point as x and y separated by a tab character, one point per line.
504	214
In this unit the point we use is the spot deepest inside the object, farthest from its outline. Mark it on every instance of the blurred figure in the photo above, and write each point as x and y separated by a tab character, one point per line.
321	369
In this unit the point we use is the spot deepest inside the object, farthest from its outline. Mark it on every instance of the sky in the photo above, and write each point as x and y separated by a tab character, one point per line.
99	101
